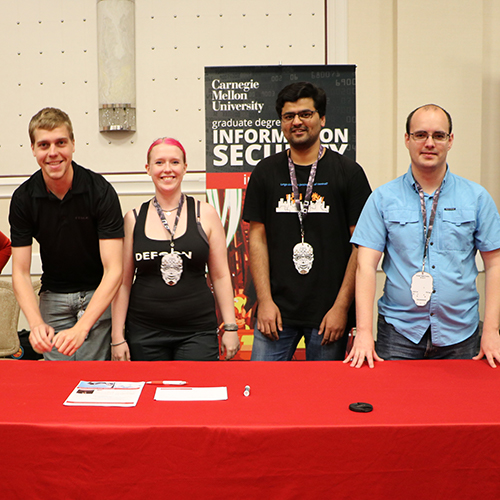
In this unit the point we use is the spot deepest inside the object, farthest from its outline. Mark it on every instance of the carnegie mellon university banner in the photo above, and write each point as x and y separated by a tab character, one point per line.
242	128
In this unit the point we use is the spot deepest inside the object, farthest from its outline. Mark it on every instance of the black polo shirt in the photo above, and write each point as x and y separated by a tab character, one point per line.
67	230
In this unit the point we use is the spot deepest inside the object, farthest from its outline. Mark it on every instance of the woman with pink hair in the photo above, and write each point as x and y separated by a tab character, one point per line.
164	309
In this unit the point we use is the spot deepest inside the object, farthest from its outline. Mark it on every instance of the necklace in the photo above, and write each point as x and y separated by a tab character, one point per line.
171	263
169	211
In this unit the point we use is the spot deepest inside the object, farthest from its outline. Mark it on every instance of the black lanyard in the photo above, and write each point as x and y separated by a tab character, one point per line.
303	211
164	219
428	230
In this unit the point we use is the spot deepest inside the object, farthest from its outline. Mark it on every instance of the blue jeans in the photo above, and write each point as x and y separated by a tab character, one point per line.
392	345
60	311
283	349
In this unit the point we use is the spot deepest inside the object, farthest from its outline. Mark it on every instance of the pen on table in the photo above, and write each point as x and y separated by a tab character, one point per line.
167	382
175	388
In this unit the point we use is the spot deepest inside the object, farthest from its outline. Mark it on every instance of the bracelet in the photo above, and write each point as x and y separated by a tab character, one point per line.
118	343
230	327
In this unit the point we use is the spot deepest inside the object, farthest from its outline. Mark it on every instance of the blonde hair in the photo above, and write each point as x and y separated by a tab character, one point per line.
49	119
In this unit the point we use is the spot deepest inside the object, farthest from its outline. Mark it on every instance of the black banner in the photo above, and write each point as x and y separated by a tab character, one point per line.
243	126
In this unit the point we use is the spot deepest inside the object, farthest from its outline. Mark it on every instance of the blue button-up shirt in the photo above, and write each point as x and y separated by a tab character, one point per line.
466	220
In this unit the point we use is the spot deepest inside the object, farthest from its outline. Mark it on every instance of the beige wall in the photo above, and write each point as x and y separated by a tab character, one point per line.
411	53
48	55
407	53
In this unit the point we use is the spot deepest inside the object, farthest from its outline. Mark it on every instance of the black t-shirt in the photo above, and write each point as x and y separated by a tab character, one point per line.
67	230
339	194
187	306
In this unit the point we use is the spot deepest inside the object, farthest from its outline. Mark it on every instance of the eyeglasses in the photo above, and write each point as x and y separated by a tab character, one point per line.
303	115
422	136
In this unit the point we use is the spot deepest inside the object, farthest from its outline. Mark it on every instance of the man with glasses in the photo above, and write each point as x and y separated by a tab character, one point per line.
302	205
429	223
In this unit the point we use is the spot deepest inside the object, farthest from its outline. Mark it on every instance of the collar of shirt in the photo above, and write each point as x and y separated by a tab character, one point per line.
410	180
78	187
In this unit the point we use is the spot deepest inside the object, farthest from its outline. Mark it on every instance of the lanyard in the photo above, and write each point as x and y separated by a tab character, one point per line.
164	219
427	230
302	212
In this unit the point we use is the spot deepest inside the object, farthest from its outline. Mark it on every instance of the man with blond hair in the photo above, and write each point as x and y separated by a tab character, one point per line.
75	216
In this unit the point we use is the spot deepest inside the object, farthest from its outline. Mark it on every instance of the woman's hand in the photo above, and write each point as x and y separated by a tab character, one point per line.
230	343
120	352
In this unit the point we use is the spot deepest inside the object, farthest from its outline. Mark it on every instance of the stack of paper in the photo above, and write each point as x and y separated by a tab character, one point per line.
105	394
191	393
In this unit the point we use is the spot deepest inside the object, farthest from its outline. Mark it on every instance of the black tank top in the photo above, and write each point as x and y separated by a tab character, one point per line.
187	306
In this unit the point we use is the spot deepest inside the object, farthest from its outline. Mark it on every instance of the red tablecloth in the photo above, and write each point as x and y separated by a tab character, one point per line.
434	432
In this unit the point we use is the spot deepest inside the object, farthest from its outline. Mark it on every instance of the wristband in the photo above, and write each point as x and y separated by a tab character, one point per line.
118	343
230	327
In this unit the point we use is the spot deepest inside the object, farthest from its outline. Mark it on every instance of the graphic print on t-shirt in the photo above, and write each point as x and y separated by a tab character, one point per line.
317	205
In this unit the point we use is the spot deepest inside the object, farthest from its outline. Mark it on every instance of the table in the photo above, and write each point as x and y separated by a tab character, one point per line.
434	432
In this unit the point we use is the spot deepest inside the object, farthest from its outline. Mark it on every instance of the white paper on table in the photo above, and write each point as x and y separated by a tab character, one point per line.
88	393
191	394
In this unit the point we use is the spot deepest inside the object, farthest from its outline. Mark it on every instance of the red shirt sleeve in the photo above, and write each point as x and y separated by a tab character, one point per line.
5	250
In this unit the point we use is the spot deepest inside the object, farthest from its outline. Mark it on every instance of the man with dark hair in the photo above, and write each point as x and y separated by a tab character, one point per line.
75	216
302	205
429	224
300	90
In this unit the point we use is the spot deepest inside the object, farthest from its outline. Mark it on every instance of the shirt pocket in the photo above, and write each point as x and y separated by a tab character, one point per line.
403	226
457	230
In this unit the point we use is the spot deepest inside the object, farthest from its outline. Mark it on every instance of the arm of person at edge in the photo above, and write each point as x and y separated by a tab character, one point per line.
490	340
366	276
119	306
335	320
220	276
41	334
68	341
269	320
5	250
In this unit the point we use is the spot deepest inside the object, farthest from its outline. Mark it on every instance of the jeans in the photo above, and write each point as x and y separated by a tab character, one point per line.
283	349
61	311
392	345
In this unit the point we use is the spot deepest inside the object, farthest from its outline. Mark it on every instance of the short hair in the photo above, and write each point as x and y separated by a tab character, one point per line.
428	106
170	141
49	119
300	90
